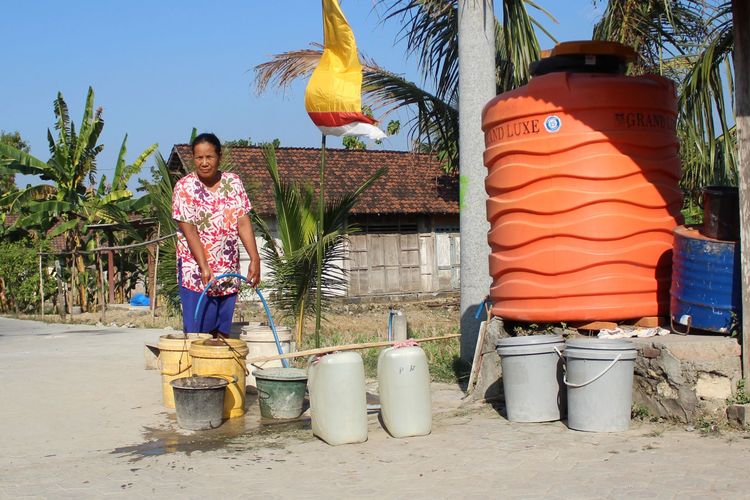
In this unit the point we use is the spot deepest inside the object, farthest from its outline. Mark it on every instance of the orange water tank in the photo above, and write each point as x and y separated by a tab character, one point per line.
583	190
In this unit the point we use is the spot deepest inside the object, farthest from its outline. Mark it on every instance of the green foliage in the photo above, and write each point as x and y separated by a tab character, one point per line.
158	203
691	43
692	211
708	425
19	276
72	200
740	397
68	199
443	356
639	412
353	142
7	180
394	127
248	143
707	118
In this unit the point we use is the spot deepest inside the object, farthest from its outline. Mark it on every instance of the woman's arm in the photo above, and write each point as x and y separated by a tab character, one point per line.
196	248
245	229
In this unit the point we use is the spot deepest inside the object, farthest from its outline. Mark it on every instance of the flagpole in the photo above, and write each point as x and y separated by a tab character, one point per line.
321	211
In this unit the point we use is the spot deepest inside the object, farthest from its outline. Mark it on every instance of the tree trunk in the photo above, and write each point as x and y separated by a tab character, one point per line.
476	86
741	19
82	288
300	323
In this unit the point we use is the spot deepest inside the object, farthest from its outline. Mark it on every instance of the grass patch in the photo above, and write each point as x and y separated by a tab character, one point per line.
443	356
639	412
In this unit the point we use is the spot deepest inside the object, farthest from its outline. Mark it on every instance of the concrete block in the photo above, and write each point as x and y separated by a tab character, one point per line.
712	386
739	414
685	377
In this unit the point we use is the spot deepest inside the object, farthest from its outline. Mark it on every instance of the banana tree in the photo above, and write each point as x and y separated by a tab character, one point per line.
70	200
292	258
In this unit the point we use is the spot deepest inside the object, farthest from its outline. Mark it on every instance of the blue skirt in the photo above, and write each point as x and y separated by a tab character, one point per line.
215	314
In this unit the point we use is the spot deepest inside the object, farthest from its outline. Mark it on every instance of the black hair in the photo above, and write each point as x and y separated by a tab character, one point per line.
209	138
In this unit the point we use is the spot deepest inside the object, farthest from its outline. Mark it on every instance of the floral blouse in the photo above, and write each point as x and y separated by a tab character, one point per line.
215	216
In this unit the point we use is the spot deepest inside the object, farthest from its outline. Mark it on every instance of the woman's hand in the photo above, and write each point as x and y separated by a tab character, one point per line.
206	276
253	271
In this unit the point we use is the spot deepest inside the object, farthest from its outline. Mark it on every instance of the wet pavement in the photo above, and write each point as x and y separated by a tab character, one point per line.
82	418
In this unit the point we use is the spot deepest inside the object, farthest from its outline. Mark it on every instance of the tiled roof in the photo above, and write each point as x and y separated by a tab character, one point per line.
414	184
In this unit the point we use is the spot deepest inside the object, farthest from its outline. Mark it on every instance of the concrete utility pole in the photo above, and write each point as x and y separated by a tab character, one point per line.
741	15
476	69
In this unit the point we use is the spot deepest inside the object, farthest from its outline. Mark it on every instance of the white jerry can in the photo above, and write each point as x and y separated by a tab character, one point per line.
338	398
404	385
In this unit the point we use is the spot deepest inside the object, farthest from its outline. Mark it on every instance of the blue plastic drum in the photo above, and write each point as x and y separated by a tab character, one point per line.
705	291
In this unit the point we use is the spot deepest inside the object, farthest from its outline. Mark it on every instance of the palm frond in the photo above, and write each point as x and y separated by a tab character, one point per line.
706	119
517	45
430	31
283	69
658	30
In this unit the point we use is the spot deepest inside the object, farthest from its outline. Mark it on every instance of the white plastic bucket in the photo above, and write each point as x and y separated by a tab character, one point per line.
599	379
260	342
532	377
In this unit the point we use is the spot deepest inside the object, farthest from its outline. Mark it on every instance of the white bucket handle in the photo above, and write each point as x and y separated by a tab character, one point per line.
565	376
558	352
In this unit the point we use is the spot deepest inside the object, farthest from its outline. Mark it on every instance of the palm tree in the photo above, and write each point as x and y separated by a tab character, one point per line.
292	258
691	42
431	33
67	204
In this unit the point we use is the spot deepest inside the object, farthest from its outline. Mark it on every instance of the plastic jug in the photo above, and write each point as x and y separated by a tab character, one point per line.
405	401
338	398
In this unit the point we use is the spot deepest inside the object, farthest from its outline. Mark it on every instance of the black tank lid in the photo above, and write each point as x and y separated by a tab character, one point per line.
585	57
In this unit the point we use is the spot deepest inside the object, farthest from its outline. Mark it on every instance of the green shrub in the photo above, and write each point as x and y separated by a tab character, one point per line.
19	272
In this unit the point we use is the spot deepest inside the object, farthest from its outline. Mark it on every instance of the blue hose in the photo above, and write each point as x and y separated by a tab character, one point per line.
263	301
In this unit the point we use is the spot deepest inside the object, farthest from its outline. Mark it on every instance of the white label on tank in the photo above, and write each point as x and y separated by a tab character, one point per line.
552	124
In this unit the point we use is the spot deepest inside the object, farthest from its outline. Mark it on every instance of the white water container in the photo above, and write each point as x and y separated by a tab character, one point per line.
338	398
404	385
260	342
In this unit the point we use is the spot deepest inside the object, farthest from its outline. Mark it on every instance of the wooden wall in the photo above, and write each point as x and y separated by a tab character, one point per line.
417	254
398	255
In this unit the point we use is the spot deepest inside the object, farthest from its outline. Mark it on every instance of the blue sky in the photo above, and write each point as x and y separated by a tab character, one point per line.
161	68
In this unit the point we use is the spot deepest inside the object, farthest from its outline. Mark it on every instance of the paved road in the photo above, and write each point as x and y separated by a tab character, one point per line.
83	419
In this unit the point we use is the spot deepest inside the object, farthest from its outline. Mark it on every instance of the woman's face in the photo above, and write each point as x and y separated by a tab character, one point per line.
206	161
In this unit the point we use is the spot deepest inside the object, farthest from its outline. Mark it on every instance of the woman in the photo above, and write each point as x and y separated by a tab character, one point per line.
211	209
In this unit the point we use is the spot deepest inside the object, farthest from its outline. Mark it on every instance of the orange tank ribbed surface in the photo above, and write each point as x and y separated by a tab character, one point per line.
583	174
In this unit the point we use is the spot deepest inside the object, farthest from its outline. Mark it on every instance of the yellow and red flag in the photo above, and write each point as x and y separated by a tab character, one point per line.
333	97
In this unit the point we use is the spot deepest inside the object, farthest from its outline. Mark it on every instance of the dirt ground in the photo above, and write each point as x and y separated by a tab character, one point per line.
84	419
